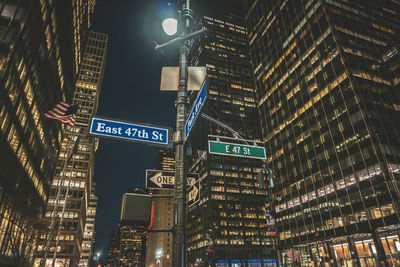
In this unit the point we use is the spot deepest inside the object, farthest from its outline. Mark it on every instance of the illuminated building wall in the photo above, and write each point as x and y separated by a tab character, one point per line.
228	224
89	234
82	14
159	245
35	74
327	79
132	247
78	172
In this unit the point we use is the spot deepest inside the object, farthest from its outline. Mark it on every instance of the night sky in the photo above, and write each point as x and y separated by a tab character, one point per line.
130	91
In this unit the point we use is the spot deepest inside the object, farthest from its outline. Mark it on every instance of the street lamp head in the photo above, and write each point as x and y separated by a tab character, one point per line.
159	253
170	26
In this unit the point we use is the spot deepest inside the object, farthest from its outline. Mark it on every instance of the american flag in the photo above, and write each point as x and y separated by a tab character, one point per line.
63	113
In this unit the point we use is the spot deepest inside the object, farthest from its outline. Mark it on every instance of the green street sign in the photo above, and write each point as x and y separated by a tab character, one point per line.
236	150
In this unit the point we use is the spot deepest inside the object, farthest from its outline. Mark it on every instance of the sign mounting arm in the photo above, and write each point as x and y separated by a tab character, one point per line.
223	125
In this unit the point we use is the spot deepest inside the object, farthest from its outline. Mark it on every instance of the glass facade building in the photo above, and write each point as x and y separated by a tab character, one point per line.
127	247
71	198
132	247
36	72
327	80
227	226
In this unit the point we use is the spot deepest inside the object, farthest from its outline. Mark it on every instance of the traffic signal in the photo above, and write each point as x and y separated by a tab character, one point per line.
273	178
316	234
273	175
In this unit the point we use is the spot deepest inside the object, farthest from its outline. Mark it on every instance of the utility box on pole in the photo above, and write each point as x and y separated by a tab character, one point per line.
135	209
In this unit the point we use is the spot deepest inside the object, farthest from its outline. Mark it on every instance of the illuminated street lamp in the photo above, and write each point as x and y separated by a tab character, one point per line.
170	26
98	254
179	229
159	254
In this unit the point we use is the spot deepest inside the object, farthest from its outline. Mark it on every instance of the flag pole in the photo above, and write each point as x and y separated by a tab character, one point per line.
65	199
56	204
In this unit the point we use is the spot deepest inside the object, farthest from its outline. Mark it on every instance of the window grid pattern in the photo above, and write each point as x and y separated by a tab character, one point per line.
326	81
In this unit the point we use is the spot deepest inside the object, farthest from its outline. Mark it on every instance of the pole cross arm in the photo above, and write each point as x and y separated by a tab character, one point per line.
160	230
181	38
162	196
154	230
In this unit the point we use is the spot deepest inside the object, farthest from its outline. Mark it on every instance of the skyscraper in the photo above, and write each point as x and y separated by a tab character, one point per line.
159	244
327	81
71	193
35	74
132	247
228	224
128	246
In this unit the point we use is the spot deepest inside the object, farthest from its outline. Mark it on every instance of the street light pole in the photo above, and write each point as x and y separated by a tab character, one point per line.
179	247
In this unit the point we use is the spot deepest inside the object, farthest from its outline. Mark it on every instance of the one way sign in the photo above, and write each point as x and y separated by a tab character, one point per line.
157	179
193	194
